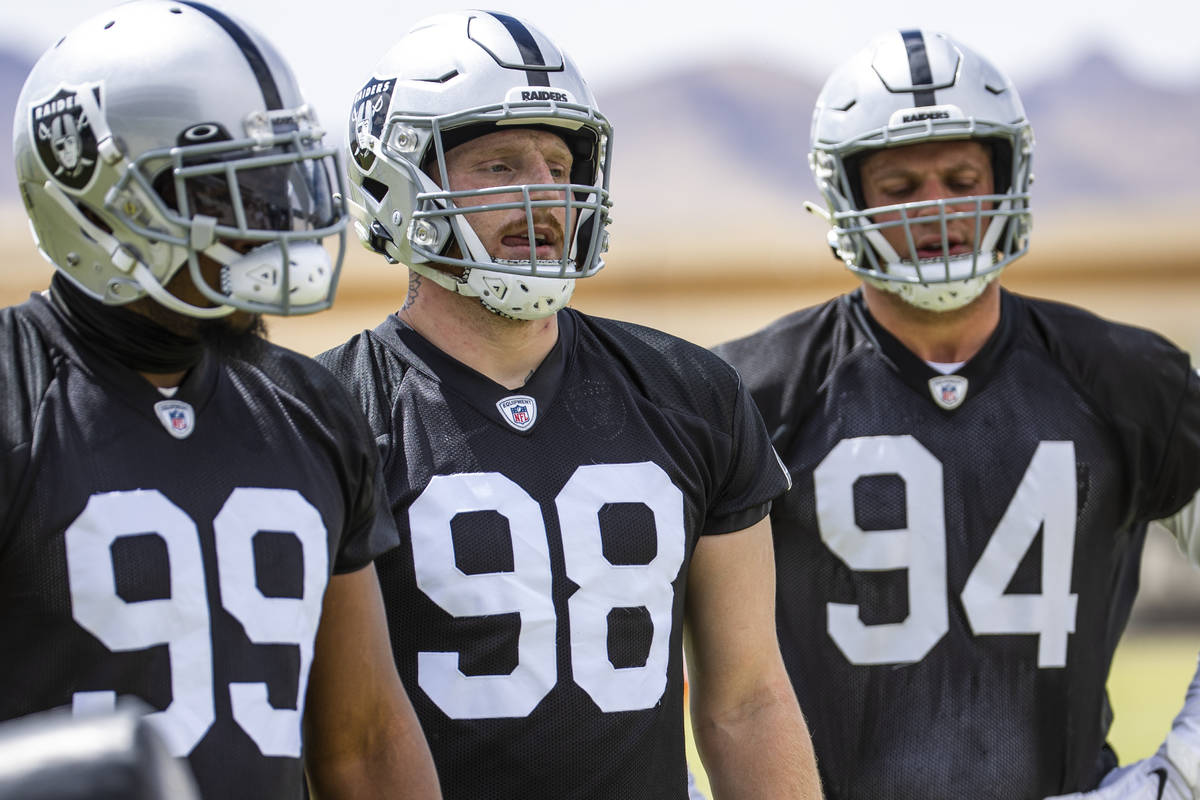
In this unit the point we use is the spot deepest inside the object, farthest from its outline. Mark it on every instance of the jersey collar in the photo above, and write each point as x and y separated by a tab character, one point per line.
977	372
489	398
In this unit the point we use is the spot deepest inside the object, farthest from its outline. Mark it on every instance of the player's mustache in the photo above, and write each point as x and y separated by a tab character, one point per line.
544	223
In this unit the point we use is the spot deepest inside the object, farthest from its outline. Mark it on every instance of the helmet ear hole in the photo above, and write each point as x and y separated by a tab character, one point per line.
853	167
1000	152
376	189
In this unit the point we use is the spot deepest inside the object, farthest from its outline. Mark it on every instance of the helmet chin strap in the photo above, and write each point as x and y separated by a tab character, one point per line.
944	296
145	279
124	260
265	274
514	296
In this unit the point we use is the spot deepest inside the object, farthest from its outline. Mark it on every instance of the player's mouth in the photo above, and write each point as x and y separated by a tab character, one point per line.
934	248
546	244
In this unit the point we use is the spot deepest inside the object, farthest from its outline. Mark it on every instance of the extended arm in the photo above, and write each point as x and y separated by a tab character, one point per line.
747	723
362	738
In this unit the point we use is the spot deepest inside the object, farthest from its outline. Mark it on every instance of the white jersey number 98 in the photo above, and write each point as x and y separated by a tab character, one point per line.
526	590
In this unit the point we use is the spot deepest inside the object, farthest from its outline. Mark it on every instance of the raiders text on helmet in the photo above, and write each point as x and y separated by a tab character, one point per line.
908	87
450	78
157	132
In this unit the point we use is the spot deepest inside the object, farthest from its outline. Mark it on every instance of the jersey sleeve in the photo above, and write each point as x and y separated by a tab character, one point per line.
26	369
1177	479
1148	390
754	474
370	530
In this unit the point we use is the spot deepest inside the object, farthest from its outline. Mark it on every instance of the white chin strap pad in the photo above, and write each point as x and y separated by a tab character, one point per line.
258	275
513	296
520	296
944	296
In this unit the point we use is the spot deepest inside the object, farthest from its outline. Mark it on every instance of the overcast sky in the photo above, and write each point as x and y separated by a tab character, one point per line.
333	44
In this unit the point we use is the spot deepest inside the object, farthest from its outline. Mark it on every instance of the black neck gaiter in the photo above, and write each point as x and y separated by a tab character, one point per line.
130	338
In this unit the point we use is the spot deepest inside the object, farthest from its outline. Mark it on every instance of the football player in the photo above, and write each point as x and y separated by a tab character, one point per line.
571	492
973	471
190	514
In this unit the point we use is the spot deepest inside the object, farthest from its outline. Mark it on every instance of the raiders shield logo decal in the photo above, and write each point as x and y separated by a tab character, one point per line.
948	390
66	143
367	117
177	417
519	411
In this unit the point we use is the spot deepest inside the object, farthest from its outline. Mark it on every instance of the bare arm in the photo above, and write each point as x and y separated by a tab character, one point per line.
361	736
747	723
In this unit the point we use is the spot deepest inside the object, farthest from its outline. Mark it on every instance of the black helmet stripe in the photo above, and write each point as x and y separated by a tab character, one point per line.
258	64
918	67
530	54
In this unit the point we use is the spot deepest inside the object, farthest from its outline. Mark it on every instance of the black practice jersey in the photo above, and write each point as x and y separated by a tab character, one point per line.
958	555
176	550
536	601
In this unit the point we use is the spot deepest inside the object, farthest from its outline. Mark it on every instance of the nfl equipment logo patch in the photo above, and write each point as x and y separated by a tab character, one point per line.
177	417
519	411
948	391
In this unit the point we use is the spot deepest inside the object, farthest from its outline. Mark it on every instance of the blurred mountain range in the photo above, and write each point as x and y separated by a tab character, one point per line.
719	150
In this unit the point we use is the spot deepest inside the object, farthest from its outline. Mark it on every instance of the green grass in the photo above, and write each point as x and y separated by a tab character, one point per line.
1149	677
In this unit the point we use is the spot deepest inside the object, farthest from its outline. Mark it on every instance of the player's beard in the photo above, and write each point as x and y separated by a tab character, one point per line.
240	336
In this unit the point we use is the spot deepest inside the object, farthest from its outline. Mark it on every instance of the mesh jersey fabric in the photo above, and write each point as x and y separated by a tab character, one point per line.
536	601
912	543
274	444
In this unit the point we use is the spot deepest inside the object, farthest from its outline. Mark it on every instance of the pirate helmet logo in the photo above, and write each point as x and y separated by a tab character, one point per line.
66	143
367	118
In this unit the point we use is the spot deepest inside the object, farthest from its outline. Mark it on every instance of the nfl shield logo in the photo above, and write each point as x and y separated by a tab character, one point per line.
948	391
177	417
519	411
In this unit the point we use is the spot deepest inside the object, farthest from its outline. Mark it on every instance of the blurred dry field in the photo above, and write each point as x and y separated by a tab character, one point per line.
1142	269
1145	272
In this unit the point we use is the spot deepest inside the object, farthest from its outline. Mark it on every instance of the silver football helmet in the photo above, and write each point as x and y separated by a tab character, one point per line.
452	77
908	87
157	132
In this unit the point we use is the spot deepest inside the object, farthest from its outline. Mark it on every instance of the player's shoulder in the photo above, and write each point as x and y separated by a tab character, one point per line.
290	369
1096	349
1131	375
785	363
791	339
662	363
27	329
299	381
33	348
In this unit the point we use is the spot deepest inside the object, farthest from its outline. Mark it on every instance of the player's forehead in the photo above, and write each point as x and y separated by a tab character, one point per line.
938	155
